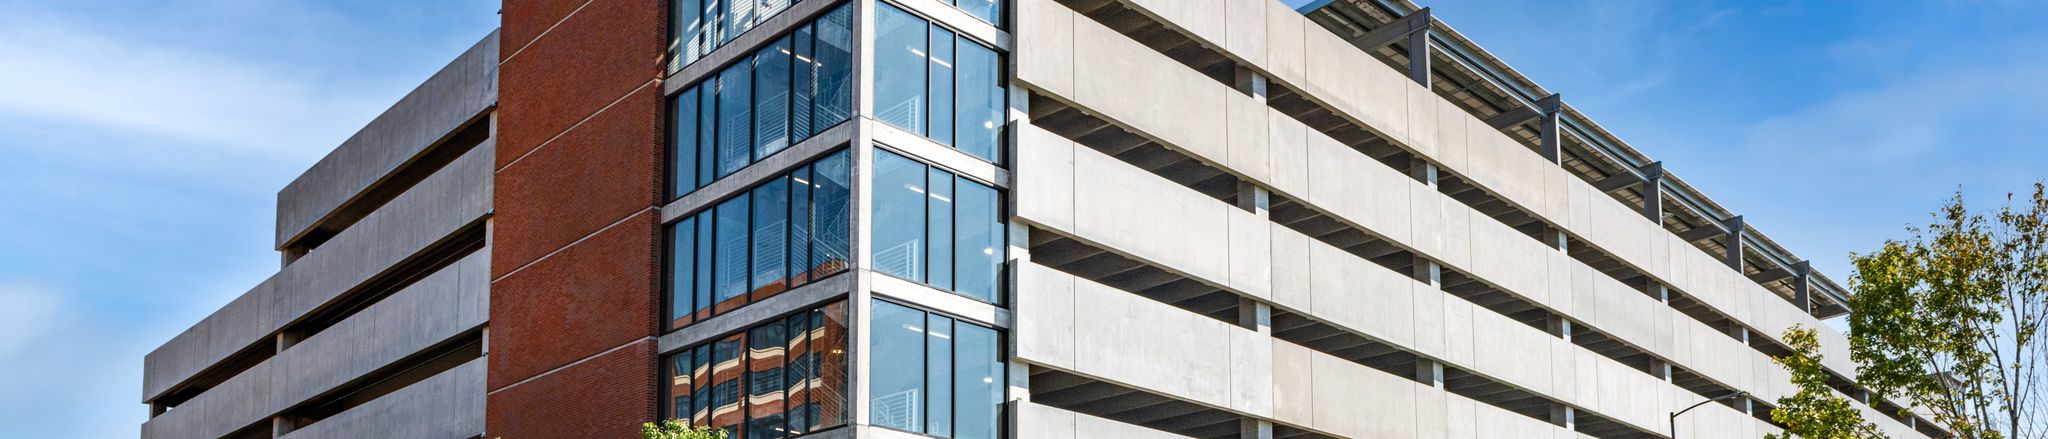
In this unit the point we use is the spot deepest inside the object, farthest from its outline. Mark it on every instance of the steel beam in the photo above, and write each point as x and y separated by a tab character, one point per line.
1802	285
1398	30
1735	231
1653	192
1549	105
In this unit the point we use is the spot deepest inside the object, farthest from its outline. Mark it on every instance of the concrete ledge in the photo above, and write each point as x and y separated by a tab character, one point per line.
454	97
447	406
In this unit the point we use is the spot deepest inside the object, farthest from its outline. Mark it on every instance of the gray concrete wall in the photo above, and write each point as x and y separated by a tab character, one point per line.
447	406
453	197
439	307
453	97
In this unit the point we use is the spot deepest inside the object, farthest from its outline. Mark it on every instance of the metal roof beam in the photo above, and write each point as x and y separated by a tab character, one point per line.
1519	115
1396	31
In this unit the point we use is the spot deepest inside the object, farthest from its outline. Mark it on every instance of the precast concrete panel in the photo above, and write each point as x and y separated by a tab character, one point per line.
1044	330
1356	401
1505	168
1250	254
1248	122
1293	383
1355	293
1507	258
1204	19
1441	226
1044	51
1511	351
1134	211
1357	188
1039	421
242	323
1245	29
1292	280
449	405
1128	339
1357	85
457	94
1286	43
1122	80
1044	187
1287	145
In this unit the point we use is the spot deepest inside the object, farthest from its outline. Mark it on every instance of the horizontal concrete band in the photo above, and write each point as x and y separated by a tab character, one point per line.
457	95
1209	122
1291	50
450	200
449	405
1153	219
1077	325
440	307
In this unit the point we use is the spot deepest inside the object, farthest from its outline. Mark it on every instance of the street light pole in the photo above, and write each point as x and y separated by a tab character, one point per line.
1674	416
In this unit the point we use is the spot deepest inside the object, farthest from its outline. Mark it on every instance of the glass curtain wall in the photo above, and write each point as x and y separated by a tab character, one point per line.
781	378
938	84
783	93
701	26
938	228
784	233
934	375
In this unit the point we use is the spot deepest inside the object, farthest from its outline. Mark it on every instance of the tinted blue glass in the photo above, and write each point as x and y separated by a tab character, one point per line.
900	58
727	369
796	376
835	69
980	99
899	226
735	118
939	229
686	28
938	376
978	382
987	10
831	204
706	245
731	276
803	68
739	16
675	372
771	239
682	263
978	242
714	26
799	226
682	152
897	388
700	381
771	99
765	403
707	132
939	88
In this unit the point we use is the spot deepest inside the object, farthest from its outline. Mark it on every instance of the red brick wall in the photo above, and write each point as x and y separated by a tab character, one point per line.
574	246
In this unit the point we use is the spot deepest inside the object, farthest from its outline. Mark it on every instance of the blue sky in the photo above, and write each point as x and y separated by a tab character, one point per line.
142	144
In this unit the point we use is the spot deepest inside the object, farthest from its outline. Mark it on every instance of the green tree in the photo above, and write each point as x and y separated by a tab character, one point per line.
1950	318
1816	411
676	429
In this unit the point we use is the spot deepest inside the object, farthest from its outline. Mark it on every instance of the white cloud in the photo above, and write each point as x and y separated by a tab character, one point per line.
28	312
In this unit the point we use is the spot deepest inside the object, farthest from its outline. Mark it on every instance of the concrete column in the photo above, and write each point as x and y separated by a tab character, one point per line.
1739	332
1429	372
1429	272
1661	370
1555	238
282	424
1255	315
1253	198
1251	83
1564	416
286	339
1658	291
1254	429
1423	171
156	409
1559	326
1746	405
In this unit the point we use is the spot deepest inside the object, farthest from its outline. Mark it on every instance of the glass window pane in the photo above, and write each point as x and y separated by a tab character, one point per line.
700	377
832	194
682	139
939	233
684	30
726	369
798	374
938	377
940	86
771	99
801	88
980	238
707	132
682	259
771	225
714	27
677	371
835	69
830	392
771	7
987	10
980	98
731	276
738	18
799	259
899	216
900	53
764	381
897	388
706	247
735	115
978	382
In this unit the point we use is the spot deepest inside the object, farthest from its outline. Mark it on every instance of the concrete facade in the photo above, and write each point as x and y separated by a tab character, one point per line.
1218	218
